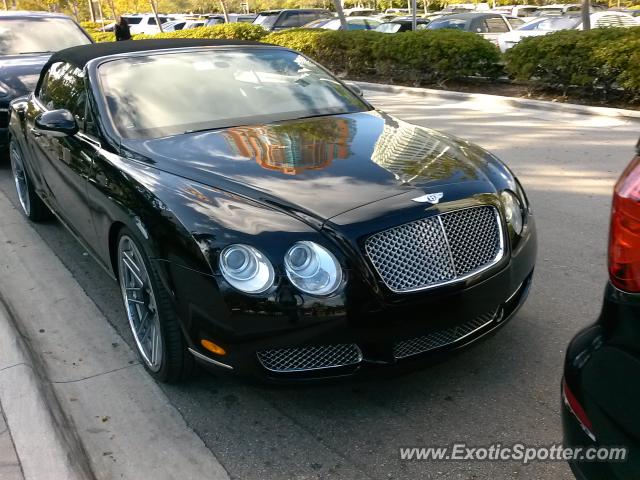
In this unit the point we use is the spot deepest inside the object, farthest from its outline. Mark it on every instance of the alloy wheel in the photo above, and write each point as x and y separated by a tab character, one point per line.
20	178
140	303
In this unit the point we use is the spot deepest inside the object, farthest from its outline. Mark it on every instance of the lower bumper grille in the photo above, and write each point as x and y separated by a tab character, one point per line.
299	359
441	338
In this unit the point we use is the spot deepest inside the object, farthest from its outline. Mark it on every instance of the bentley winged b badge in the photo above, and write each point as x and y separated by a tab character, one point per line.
433	198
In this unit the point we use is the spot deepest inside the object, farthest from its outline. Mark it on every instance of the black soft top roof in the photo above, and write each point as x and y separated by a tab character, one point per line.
80	55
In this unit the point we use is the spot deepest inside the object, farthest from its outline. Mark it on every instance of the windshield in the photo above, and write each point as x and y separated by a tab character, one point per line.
266	19
388	27
548	12
450	23
39	35
561	23
225	88
133	20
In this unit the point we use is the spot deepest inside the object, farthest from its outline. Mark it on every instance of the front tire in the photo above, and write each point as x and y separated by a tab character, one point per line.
32	206
152	319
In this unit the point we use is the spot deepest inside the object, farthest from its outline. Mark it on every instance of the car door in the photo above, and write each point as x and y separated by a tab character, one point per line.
64	163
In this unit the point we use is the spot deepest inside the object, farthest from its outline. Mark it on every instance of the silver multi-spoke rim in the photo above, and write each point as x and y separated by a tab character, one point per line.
140	303
20	178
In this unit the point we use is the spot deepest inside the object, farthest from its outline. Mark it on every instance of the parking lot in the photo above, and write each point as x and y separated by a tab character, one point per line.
504	390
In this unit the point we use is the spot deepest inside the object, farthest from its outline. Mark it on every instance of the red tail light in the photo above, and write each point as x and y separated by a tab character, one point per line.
624	242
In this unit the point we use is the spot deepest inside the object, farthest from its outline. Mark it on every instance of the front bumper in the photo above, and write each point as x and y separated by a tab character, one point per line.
426	325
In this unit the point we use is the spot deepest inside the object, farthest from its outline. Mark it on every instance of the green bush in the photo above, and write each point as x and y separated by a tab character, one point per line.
601	59
238	31
102	36
430	56
90	25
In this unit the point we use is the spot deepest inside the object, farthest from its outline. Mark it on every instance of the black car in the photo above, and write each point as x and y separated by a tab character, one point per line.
271	222
601	385
213	20
290	18
27	40
403	24
488	25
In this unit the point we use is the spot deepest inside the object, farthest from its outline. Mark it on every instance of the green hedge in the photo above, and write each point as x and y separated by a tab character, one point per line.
600	60
428	56
239	31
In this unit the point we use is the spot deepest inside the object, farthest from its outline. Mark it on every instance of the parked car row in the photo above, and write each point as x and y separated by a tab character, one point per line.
549	24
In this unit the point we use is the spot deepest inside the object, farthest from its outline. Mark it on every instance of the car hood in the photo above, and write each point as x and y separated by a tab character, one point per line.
322	166
20	73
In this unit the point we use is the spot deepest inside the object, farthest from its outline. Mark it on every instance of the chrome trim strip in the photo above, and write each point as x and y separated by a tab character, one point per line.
517	291
495	261
209	360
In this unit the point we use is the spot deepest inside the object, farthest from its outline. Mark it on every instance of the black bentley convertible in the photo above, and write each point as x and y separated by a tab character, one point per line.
261	217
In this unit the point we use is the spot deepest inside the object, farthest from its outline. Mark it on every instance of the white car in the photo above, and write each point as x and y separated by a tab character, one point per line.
545	25
145	23
181	25
525	12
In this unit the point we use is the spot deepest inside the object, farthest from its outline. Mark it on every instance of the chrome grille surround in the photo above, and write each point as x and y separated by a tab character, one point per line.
298	359
437	250
441	338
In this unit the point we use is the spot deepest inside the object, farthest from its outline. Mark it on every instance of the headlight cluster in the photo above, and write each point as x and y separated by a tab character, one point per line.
246	268
310	267
513	210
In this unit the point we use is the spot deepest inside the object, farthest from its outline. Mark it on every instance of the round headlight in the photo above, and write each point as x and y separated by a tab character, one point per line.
246	268
512	210
312	268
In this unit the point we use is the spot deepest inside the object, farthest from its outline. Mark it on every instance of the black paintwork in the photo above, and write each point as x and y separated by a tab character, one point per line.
333	180
602	369
20	72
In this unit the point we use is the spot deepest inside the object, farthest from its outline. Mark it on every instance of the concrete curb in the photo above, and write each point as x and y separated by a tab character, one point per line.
507	101
33	414
97	406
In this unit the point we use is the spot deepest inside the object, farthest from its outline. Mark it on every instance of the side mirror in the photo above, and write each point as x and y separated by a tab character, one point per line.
56	123
355	89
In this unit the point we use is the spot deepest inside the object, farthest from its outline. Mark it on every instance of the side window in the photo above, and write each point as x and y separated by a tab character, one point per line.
90	123
496	25
357	25
607	21
152	21
515	22
63	87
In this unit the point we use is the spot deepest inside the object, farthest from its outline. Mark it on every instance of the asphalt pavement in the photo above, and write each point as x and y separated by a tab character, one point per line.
504	390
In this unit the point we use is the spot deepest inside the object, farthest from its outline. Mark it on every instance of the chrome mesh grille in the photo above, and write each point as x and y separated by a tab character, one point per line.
474	237
438	249
310	358
431	341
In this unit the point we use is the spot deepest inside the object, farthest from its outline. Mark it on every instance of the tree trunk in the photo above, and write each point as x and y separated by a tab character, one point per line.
586	15
225	13
154	8
340	12
92	13
6	6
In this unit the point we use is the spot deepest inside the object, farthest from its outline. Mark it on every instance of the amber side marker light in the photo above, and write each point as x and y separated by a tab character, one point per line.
212	347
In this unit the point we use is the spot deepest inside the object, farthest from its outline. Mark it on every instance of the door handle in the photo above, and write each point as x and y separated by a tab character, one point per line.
35	132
